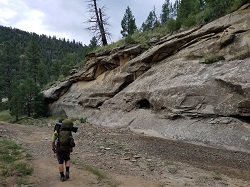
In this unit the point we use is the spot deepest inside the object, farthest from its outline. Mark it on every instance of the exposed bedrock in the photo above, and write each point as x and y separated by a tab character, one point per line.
192	86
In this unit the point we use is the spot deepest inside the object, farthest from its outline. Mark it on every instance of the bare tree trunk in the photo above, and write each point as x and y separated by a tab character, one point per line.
100	23
101	26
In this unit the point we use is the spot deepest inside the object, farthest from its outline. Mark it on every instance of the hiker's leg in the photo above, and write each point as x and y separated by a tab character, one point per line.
61	171
67	158
67	164
61	168
60	164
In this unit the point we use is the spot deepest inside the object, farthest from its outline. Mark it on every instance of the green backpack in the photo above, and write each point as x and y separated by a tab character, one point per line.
65	138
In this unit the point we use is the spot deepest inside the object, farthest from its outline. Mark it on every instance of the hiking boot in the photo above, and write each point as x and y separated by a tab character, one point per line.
62	178
67	175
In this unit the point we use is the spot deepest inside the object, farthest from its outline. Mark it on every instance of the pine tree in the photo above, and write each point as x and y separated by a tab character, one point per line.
93	43
187	11
167	12
151	22
42	74
40	107
217	8
55	69
9	66
16	102
176	7
128	23
185	8
29	93
26	99
33	59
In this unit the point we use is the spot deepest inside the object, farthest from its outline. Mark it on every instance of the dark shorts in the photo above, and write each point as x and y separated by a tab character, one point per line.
63	156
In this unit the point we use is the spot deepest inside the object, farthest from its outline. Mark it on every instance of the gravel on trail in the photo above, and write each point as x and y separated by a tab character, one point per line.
130	158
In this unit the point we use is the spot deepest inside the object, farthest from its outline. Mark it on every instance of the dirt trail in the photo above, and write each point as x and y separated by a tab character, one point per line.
130	160
79	177
46	174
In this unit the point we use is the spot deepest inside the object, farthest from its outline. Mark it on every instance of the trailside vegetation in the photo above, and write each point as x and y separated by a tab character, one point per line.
174	17
14	162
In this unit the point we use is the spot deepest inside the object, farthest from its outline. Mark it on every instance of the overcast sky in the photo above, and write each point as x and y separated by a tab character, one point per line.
64	18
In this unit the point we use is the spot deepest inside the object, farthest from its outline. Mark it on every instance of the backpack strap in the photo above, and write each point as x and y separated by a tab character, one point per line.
57	126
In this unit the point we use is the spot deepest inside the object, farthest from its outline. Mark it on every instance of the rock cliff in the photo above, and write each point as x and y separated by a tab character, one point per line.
193	86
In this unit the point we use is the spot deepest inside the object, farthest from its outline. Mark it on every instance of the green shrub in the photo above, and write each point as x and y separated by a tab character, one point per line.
9	151
129	40
22	169
213	59
5	116
110	46
4	106
83	120
171	25
13	161
190	21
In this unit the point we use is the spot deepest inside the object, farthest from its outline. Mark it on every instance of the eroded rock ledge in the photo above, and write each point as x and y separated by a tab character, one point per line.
168	91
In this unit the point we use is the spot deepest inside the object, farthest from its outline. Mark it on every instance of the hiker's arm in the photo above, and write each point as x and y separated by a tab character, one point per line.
53	145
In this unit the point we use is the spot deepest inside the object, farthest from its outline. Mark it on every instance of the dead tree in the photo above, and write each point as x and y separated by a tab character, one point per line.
98	21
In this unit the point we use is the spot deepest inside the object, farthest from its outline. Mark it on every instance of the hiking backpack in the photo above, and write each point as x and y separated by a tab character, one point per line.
65	139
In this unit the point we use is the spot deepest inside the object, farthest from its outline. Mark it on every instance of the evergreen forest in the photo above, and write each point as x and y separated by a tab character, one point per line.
28	63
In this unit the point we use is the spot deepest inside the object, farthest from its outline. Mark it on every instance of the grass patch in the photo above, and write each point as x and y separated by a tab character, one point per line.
100	174
49	121
216	175
213	59
22	169
32	121
28	156
83	120
40	122
13	162
5	116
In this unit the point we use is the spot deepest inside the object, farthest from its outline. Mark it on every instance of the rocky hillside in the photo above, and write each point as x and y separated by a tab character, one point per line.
193	86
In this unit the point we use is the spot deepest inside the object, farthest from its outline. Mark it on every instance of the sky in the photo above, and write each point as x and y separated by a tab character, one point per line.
66	18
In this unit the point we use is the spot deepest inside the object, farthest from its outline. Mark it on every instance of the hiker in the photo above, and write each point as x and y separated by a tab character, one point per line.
61	146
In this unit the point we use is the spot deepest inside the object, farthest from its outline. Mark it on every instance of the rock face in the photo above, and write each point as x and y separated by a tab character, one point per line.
168	91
